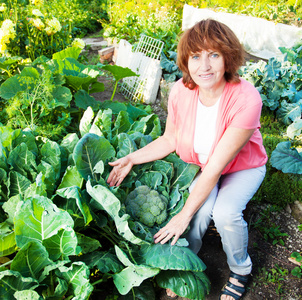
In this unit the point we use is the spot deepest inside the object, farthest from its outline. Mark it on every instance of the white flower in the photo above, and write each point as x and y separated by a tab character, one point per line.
8	29
79	43
3	7
37	13
53	26
38	23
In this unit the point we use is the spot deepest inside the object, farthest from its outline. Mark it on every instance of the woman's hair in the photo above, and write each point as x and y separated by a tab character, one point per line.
210	34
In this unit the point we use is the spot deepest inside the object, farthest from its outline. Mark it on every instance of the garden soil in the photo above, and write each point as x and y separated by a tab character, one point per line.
271	277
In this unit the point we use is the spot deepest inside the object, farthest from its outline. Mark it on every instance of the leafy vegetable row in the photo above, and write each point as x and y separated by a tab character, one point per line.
64	232
280	85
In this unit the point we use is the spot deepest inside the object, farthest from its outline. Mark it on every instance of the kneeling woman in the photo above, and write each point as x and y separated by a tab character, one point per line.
213	121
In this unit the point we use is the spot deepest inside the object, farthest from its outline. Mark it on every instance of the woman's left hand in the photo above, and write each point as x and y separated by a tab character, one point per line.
175	228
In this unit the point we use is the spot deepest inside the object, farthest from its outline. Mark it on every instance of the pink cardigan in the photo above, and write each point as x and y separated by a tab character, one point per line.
240	106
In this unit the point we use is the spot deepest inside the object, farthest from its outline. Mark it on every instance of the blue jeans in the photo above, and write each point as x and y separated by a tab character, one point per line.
225	206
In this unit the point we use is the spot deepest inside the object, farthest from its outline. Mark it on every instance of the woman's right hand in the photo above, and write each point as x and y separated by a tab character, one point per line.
121	168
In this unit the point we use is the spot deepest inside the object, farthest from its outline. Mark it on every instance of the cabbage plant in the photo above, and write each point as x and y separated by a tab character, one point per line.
279	84
65	234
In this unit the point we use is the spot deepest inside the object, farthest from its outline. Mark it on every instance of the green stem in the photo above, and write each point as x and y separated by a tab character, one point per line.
115	86
7	263
20	110
108	235
3	195
100	281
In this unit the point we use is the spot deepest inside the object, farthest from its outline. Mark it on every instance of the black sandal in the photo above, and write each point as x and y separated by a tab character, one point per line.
240	289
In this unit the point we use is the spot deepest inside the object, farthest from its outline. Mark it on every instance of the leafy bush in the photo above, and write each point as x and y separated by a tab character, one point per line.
60	211
31	29
127	21
278	188
280	87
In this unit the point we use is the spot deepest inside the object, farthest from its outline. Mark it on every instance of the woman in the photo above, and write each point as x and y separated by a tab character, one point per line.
213	122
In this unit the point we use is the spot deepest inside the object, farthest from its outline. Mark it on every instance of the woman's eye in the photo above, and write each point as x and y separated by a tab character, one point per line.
214	55
195	56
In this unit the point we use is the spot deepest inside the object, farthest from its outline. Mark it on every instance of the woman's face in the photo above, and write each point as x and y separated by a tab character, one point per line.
207	70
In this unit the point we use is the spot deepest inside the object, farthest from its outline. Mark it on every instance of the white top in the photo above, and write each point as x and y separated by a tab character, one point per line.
205	129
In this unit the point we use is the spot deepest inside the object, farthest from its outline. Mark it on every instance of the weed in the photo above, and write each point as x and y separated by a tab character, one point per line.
297	271
275	276
270	231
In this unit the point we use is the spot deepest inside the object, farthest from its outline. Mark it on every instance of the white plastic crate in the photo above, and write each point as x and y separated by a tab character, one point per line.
144	61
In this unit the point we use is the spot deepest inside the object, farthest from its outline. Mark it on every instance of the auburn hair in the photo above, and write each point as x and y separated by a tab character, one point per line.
210	34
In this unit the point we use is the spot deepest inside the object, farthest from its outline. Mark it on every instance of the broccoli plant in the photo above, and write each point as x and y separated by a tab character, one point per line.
147	206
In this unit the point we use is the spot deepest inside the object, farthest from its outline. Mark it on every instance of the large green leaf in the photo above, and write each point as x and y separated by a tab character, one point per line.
3	158
17	183
77	277
287	159
31	260
191	285
115	106
49	176
76	74
74	202
167	257
8	136
105	261
87	244
10	207
164	167
51	153
69	142
71	177
84	100
89	151
152	179
122	123
143	292
20	82
23	161
7	240
27	295
288	112
73	52
61	97
133	275
62	244
184	172
119	72
125	145
294	129
38	219
149	125
27	138
12	281
85	123
112	206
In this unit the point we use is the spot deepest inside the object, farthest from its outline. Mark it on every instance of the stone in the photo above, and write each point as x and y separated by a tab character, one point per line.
106	54
95	43
296	208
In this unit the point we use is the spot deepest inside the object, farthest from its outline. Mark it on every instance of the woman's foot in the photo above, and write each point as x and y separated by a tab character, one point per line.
235	287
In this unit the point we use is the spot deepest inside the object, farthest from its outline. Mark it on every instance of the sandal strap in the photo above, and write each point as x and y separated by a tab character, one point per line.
241	278
239	289
229	293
